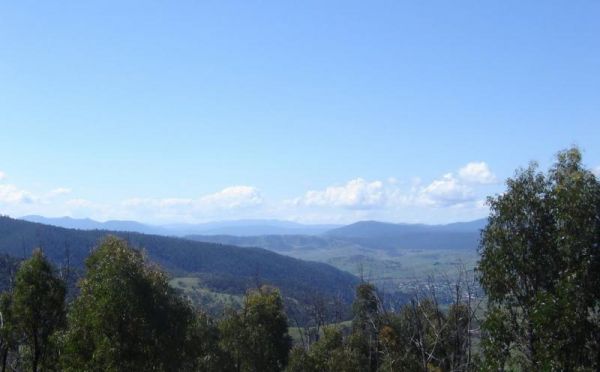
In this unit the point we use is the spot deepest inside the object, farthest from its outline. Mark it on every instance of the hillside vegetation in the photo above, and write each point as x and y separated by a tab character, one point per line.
221	268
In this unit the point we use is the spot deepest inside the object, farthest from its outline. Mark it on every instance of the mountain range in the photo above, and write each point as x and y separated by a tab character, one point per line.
364	235
219	267
235	228
398	251
258	227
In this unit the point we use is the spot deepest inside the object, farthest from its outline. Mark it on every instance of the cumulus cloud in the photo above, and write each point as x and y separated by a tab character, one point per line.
477	172
446	191
450	190
357	193
232	198
596	171
10	194
459	193
14	195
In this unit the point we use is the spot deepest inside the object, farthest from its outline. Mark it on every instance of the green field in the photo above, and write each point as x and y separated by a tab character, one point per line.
408	267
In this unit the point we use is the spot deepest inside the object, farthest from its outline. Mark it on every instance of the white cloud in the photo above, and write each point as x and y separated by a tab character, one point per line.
356	193
445	199
10	194
446	191
59	191
454	195
14	195
477	173
230	200
596	171
232	197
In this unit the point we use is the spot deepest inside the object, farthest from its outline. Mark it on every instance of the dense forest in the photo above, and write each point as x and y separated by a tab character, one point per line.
539	270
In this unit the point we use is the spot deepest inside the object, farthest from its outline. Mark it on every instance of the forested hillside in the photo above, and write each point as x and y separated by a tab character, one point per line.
222	268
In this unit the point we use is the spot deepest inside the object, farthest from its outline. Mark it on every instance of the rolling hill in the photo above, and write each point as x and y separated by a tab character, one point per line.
380	235
222	268
362	238
394	253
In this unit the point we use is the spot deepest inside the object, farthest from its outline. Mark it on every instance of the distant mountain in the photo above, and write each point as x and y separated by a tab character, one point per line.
89	224
375	229
365	240
469	226
380	235
236	228
224	268
371	229
390	254
249	228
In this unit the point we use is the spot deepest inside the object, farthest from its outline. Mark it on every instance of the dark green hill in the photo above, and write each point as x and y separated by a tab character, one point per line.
223	268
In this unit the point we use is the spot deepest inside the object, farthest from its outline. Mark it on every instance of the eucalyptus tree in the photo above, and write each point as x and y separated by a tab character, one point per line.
128	318
540	268
37	312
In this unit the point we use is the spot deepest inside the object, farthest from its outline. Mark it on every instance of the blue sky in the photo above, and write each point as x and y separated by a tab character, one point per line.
324	111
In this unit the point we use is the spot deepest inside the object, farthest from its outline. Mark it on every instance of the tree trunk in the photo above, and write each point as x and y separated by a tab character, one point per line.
4	359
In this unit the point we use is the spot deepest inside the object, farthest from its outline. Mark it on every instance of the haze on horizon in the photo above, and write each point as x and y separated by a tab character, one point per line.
309	112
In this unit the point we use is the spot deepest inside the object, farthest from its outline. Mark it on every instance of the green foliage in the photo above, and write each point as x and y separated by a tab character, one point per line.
540	267
329	354
456	339
300	361
37	311
257	336
221	268
8	337
419	337
8	269
364	339
127	317
202	347
413	338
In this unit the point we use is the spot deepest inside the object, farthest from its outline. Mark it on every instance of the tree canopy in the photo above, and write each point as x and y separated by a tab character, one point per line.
540	268
126	316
